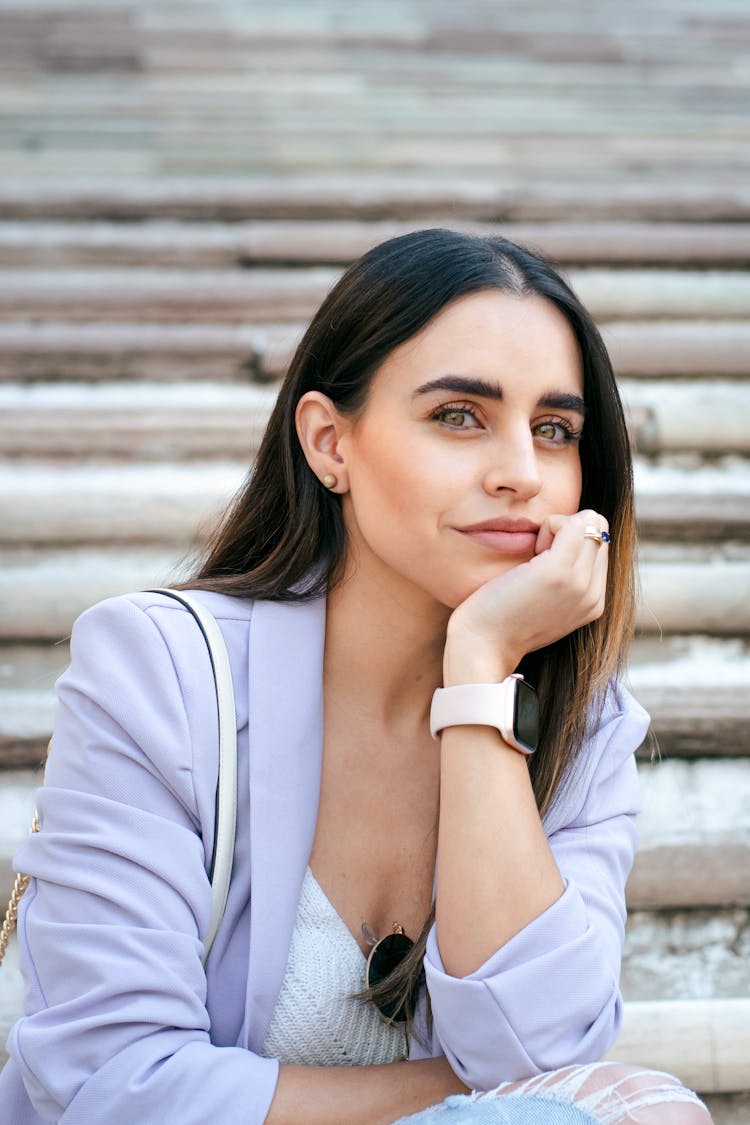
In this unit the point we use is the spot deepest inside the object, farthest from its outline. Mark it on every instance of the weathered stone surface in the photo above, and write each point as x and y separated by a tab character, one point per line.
169	244
160	352
697	691
41	594
17	789
262	294
701	1041
164	296
702	417
728	1109
151	503
151	422
369	196
682	499
687	954
707	596
678	348
55	351
695	835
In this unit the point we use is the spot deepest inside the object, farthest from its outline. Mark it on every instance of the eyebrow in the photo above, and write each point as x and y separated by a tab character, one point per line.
482	388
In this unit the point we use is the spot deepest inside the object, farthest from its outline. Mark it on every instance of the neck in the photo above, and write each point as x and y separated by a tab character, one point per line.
384	648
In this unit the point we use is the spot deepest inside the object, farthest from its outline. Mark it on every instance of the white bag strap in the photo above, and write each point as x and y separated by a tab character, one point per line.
226	789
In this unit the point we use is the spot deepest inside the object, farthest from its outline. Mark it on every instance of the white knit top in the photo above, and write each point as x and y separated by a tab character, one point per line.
316	1021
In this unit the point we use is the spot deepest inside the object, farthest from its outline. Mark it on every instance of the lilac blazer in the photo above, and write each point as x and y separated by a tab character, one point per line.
123	1023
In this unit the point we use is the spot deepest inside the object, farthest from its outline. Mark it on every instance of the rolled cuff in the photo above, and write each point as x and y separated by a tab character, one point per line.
546	999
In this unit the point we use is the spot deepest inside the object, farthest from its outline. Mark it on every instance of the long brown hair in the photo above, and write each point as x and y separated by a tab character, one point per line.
284	538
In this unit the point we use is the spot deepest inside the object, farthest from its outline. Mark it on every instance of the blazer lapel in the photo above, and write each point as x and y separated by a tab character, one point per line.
286	750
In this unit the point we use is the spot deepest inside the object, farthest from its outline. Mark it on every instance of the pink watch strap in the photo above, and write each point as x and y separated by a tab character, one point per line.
489	705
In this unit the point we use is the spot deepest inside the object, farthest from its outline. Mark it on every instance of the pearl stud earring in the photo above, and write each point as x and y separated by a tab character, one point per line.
330	481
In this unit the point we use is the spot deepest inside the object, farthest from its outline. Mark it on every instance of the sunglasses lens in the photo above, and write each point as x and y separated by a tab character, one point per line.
385	956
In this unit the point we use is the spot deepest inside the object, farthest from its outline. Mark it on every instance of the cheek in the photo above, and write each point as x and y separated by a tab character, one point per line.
575	491
390	476
566	487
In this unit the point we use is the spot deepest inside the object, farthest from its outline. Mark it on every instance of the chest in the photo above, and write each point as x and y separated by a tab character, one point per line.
374	848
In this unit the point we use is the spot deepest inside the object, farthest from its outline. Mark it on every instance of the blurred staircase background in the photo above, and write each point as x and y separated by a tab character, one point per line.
182	182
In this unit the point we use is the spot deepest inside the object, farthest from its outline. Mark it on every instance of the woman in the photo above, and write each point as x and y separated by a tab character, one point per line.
443	498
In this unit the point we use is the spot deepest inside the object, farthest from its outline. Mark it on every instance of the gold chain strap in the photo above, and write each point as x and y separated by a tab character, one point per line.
11	914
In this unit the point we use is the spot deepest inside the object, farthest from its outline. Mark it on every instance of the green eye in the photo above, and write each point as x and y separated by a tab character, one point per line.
457	417
558	432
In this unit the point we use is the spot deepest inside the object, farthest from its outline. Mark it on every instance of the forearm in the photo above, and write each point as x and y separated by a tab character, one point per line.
372	1095
495	869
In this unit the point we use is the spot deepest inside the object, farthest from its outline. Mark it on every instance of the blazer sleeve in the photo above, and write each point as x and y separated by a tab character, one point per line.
112	923
550	996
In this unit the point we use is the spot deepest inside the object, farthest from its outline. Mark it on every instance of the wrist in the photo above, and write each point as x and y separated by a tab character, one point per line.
469	664
511	707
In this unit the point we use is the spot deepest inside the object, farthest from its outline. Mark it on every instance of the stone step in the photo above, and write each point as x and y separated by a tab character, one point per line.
181	420
688	587
701	1041
687	954
42	591
703	416
145	352
696	689
58	350
694	835
683	499
142	421
369	196
52	503
247	152
548	33
263	293
49	501
172	245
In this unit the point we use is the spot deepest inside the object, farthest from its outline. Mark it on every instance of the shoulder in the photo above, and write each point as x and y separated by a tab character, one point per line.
157	621
161	609
140	672
603	778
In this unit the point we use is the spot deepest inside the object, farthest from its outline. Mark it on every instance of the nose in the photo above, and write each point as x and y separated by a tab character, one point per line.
514	465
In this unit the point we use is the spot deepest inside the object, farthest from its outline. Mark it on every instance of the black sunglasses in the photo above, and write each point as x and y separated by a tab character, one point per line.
385	956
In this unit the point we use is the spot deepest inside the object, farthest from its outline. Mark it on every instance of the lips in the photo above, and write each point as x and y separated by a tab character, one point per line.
504	535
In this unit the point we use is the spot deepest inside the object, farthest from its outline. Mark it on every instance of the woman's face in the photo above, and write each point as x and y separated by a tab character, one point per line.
468	439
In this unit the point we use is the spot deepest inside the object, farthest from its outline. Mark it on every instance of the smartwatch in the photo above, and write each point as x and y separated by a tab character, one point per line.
512	706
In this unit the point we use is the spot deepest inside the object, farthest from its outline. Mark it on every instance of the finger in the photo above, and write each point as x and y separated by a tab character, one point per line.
585	521
588	515
595	526
566	535
597	550
579	557
548	529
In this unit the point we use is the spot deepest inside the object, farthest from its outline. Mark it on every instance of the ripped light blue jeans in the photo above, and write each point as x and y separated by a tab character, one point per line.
604	1093
510	1110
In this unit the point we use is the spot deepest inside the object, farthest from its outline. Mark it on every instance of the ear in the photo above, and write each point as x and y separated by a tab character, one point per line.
319	429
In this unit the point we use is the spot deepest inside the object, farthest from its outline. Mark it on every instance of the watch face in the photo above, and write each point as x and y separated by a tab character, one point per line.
526	715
